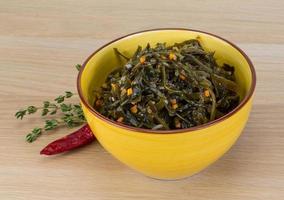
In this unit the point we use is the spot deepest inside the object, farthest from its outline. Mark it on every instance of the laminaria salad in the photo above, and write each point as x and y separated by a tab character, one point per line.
168	87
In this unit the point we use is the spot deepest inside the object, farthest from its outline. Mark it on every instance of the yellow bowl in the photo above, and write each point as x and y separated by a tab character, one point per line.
169	154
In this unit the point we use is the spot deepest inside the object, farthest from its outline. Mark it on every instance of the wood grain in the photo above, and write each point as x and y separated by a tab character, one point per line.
40	41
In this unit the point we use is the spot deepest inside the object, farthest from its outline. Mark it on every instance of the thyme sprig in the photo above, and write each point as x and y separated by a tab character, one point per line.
63	113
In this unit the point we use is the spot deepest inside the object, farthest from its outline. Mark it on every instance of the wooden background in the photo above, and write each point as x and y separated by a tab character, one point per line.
41	40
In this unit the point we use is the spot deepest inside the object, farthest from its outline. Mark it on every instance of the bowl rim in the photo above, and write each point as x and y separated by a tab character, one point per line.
173	131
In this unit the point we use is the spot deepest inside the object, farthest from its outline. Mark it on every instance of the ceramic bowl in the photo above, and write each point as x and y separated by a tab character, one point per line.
171	154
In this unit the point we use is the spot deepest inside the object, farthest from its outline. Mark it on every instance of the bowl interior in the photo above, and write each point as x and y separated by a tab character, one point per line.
104	60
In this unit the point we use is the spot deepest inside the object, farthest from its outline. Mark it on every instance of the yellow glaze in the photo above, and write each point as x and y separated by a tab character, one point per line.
169	155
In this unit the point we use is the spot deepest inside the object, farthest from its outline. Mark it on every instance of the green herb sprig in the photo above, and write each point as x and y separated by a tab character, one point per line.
65	114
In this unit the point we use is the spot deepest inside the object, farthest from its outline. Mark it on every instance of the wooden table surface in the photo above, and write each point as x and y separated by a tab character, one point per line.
40	41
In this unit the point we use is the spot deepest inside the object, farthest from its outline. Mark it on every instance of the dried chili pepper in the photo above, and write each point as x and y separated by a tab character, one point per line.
79	138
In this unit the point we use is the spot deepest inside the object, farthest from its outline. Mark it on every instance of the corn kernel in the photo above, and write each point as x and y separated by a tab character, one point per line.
174	106
173	101
172	56
113	86
206	93
134	109
182	77
129	91
142	59
120	119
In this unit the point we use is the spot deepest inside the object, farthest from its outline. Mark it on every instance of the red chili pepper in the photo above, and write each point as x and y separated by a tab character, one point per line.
74	140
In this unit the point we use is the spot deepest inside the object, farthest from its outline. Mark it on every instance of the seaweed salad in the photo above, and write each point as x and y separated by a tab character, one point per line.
168	87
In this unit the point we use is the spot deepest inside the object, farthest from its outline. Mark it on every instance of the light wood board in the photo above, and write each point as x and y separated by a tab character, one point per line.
40	41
